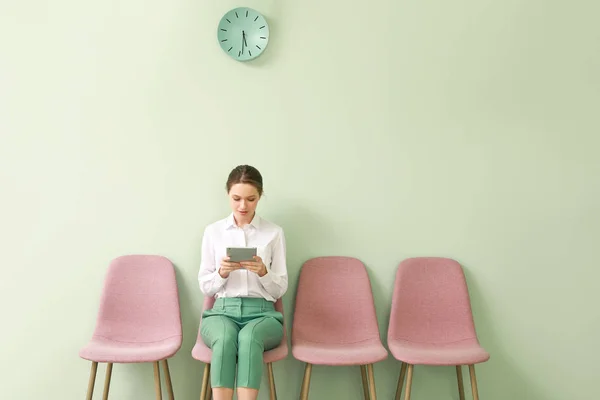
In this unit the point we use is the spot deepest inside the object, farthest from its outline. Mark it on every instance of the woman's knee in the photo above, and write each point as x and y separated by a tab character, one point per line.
218	330
246	337
261	333
229	340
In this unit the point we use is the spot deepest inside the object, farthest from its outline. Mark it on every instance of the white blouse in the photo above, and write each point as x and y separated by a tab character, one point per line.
269	240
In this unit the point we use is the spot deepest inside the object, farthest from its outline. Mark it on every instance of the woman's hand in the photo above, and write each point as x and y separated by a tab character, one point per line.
257	266
228	267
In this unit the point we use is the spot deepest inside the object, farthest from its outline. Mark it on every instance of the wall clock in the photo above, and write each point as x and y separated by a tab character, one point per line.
243	33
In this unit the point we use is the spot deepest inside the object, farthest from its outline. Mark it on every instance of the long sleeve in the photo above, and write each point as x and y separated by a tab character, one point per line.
208	277
275	281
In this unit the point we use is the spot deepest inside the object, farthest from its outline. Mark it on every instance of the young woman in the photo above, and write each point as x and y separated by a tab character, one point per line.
243	322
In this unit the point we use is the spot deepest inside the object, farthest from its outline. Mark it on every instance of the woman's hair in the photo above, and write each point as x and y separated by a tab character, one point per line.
245	174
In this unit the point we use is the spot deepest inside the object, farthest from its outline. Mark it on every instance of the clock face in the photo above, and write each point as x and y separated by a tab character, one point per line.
243	33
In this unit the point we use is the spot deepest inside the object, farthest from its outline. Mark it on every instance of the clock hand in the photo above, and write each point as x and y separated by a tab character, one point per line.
244	36
242	42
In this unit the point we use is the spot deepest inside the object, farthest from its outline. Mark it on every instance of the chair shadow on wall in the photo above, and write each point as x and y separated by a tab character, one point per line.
386	371
305	233
513	384
186	373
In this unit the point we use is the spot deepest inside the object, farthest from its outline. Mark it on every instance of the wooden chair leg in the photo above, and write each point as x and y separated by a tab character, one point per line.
365	382
409	377
107	380
401	380
168	380
157	381
92	381
371	382
473	382
461	386
306	382
204	393
272	390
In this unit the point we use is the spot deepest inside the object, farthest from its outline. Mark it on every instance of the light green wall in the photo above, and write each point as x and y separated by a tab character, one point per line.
466	129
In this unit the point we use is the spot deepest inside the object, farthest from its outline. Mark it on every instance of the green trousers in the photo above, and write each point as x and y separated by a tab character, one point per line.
238	331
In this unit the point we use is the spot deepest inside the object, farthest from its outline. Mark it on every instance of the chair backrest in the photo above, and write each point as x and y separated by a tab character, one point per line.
334	302
431	302
140	300
209	302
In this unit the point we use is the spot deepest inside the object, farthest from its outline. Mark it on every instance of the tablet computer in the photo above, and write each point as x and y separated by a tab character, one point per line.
238	254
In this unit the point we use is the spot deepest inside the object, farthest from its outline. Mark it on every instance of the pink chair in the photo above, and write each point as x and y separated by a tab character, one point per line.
334	320
203	353
139	319
431	322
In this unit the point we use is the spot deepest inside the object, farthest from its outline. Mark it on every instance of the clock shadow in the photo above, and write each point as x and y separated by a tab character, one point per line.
271	51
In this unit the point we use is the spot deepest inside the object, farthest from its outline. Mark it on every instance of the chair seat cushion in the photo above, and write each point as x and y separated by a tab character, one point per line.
444	354
360	353
102	349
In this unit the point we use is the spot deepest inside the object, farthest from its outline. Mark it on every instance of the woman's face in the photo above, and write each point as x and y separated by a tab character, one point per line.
243	199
